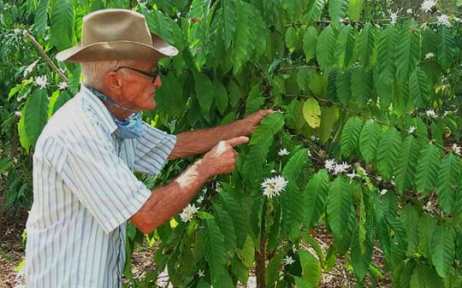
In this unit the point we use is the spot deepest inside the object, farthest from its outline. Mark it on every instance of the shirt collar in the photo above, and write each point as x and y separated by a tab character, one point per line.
96	108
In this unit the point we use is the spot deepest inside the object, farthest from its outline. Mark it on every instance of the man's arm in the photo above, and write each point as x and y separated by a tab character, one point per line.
191	143
196	142
166	201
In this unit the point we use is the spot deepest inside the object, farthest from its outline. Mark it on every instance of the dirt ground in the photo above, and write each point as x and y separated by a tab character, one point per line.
11	246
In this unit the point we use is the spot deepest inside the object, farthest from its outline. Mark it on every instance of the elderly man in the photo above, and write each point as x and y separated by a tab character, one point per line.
84	187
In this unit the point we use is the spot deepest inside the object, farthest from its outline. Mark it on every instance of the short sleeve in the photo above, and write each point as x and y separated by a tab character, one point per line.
103	183
152	150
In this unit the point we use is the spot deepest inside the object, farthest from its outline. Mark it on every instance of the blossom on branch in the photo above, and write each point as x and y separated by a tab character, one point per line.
273	186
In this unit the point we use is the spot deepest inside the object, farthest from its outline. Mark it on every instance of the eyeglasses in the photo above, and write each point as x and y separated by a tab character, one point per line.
153	74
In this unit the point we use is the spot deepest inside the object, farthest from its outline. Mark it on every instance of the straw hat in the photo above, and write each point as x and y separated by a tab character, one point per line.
116	34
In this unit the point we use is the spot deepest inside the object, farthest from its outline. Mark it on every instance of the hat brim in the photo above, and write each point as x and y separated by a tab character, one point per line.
118	50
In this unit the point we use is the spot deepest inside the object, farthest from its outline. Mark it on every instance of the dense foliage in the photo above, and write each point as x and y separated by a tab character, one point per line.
367	141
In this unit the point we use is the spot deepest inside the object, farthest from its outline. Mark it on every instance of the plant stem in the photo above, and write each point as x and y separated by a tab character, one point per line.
44	55
260	255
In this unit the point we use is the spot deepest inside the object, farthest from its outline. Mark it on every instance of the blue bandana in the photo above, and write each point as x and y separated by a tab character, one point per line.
130	128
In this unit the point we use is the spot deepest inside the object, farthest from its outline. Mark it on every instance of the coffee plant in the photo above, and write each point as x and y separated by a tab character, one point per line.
366	143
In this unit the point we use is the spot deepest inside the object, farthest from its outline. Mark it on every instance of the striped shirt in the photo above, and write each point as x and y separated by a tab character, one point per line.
84	192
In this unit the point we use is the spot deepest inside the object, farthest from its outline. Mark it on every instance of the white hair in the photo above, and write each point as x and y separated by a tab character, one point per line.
93	72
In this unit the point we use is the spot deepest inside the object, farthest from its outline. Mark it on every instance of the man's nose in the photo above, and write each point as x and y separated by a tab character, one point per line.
157	82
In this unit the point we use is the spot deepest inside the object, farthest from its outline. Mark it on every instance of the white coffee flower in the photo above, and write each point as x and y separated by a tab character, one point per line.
443	20
427	5
456	149
330	164
283	152
411	130
393	17
431	113
352	175
288	260
383	192
63	85
201	273
429	55
273	186
314	138
30	68
409	11
188	212
341	168
41	81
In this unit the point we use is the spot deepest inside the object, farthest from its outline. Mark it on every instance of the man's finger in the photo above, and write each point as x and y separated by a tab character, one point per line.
238	140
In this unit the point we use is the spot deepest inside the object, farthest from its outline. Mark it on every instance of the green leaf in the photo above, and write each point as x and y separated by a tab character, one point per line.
204	92
350	136
387	152
386	49
449	182
292	39
169	97
419	87
443	249
340	212
245	38
447	48
407	159
369	140
315	196
312	112
343	86
229	21
355	9
424	276
329	117
240	217
408	52
325	48
255	100
311	269
337	9
41	17
427	169
221	96
164	27
410	217
226	225
344	46
316	10
310	38
361	86
215	255
292	198
62	24
35	115
365	45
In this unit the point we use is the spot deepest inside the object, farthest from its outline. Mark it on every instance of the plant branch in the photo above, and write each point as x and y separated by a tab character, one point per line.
44	55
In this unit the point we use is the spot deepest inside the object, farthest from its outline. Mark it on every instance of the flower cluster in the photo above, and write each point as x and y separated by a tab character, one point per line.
188	212
41	81
336	168
273	186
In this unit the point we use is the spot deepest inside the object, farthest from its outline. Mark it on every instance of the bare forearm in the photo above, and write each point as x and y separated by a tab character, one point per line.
195	142
168	200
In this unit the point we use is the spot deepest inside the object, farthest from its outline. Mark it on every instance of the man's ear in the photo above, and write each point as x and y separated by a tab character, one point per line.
112	83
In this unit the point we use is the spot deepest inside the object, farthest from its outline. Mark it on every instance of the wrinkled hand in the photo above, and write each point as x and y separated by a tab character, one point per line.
222	158
251	122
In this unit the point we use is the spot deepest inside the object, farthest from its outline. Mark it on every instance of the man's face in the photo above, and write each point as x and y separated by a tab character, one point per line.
135	89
